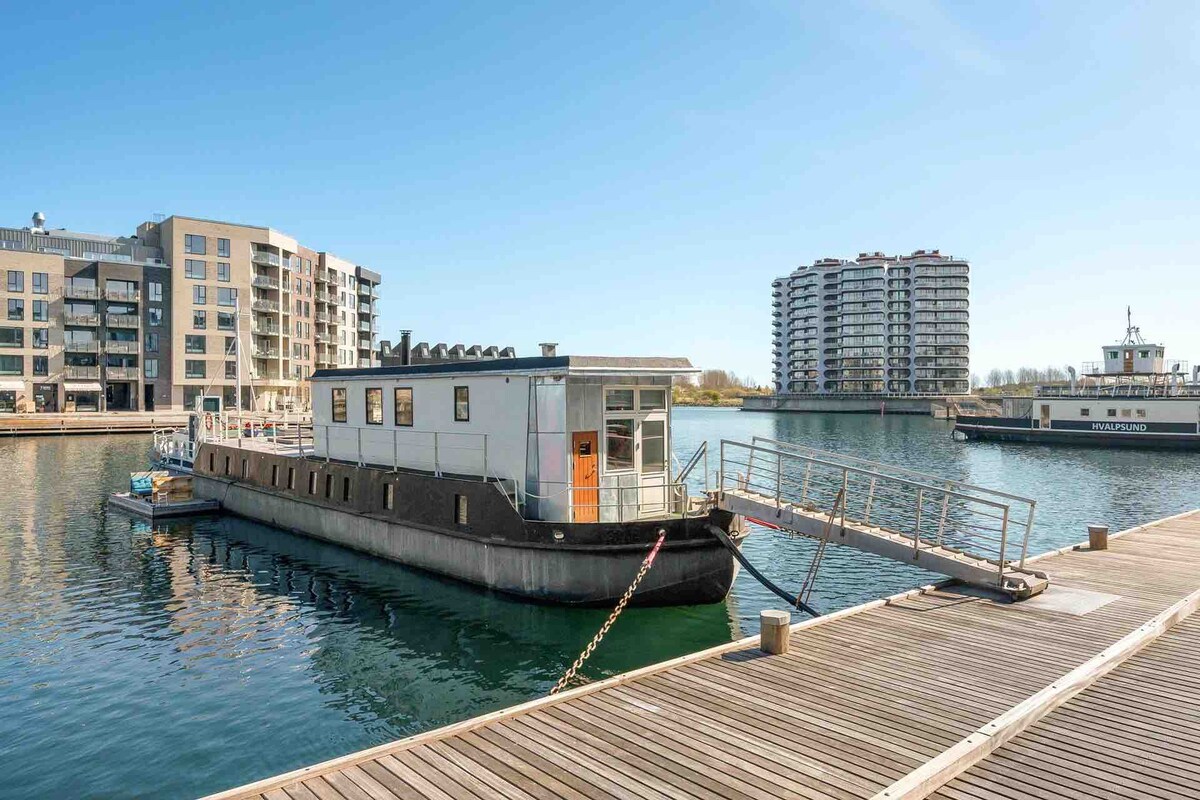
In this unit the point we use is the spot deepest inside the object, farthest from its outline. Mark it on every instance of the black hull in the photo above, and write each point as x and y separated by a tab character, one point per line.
1083	438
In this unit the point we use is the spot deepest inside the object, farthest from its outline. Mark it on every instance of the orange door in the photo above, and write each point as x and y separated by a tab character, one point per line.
586	476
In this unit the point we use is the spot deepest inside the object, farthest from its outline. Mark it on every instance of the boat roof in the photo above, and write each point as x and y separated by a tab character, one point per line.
532	365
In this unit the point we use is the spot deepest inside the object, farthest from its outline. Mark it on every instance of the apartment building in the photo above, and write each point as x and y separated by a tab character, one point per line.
184	307
876	325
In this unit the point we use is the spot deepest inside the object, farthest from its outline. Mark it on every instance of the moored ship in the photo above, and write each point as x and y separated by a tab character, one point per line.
1134	397
548	477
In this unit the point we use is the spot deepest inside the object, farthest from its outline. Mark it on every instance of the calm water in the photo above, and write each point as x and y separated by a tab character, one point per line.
179	659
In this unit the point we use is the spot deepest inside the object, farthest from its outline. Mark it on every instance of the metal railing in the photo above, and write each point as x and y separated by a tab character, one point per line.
121	373
81	373
265	305
270	259
81	347
85	320
113	346
263	282
120	320
647	500
80	292
928	510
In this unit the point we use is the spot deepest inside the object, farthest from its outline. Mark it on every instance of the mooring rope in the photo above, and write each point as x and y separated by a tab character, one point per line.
599	637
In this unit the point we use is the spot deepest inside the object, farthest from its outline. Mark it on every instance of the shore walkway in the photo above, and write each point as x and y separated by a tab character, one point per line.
1088	690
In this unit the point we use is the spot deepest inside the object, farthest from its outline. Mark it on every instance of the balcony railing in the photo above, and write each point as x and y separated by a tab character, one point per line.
323	338
81	347
265	305
269	259
120	320
364	326
365	308
323	275
123	295
364	289
81	373
120	347
266	330
322	297
265	352
321	316
263	282
121	373
86	320
81	292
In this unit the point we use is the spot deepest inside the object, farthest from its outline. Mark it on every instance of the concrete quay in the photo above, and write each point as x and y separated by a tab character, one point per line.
865	403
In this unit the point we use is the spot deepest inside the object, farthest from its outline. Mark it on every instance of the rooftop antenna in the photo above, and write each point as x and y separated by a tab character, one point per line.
1133	334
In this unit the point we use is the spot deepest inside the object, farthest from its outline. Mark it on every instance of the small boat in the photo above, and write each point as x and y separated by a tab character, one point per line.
1132	398
549	478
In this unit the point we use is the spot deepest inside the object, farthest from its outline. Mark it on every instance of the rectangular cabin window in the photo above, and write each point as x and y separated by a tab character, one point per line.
291	477
404	407
460	509
652	399
211	465
274	474
374	406
346	490
462	404
1112	412
226	465
618	400
244	470
1085	412
312	483
328	486
654	445
339	405
1126	412
388	496
1141	412
618	444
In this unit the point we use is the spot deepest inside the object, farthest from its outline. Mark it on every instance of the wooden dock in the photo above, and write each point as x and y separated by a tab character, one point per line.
1089	690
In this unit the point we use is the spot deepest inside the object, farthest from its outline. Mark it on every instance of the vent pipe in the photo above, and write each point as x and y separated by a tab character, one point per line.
1071	372
405	348
549	349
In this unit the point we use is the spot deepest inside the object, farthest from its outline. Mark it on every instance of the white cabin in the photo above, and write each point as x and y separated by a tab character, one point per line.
579	438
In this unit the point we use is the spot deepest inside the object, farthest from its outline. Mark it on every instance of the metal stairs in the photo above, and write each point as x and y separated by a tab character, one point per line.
966	532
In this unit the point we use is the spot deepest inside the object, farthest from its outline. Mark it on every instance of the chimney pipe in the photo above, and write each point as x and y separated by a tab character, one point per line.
549	349
405	348
1071	371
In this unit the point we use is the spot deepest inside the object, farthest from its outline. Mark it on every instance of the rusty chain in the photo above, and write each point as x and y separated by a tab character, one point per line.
599	637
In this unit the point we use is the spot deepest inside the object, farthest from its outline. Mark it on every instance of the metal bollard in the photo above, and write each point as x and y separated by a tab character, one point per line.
1097	537
773	632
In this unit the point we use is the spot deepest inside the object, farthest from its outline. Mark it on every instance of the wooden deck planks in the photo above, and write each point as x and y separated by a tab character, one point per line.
859	702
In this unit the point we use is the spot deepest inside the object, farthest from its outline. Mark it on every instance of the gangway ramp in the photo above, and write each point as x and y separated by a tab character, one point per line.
976	535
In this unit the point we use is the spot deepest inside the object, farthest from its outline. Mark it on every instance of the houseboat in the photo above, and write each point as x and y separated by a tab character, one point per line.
1132	398
548	477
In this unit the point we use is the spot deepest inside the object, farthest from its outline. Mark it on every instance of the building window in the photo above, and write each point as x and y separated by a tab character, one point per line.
374	406
404	407
225	321
41	365
618	444
193	268
154	316
193	344
346	490
41	311
339	405
16	308
389	494
223	248
462	404
291	477
151	367
193	243
312	483
652	399
654	445
199	294
1085	412
155	291
41	338
1112	412
223	270
12	337
460	509
41	283
193	368
12	365
226	296
151	342
618	400
230	370
199	320
16	280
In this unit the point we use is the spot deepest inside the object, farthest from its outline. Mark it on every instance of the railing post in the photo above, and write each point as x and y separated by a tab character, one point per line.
845	498
328	447
721	473
917	529
870	499
804	485
395	449
778	483
485	464
437	461
1028	531
1003	543
359	432
945	508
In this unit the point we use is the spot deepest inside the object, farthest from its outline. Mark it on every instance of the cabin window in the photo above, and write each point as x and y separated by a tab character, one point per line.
618	400
618	444
291	477
1112	412
404	407
274	474
1085	412
652	399
312	483
374	406
1126	412
1113	354
339	405
244	470
1141	412
1143	353
462	404
227	465
211	463
654	445
328	486
460	509
388	496
346	490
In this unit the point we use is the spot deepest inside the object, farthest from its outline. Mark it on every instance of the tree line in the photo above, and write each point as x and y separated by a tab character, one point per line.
1024	376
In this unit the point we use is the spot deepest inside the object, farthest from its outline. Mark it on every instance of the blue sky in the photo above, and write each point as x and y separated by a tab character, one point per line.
628	178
